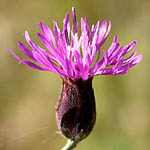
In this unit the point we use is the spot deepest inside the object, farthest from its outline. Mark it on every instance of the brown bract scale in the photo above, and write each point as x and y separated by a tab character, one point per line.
75	112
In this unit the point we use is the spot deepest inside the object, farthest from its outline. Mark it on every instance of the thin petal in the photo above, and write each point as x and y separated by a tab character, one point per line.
106	35
41	59
66	28
135	60
131	57
56	30
54	52
26	50
127	48
102	31
104	62
48	33
115	56
113	47
31	64
117	65
120	72
75	27
93	35
78	59
14	54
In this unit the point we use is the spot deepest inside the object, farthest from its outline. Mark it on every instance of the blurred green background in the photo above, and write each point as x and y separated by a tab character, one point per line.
28	97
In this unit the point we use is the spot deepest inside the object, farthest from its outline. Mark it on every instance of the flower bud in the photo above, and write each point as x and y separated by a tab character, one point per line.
75	112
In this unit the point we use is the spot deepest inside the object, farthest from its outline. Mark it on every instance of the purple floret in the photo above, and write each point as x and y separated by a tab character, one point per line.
76	57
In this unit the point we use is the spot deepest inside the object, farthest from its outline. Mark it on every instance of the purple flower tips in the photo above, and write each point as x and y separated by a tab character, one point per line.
74	57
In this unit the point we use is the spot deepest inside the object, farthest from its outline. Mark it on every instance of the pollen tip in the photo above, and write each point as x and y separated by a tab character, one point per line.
73	8
26	33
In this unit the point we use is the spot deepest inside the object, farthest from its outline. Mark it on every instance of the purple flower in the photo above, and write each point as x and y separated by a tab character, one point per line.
77	57
77	60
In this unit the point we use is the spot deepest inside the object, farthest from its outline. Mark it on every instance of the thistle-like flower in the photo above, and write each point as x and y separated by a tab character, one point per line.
77	59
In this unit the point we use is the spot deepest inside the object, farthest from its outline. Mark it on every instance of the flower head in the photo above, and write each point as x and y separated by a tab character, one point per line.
77	57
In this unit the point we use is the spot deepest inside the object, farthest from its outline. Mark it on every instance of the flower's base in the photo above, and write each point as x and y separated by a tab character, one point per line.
75	111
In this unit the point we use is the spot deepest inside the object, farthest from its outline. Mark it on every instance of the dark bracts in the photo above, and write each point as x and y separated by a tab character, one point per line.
76	112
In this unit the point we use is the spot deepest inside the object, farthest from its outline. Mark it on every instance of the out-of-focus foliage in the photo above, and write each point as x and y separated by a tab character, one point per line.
28	97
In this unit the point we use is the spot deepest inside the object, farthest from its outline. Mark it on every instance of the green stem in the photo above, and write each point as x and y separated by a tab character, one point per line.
70	145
